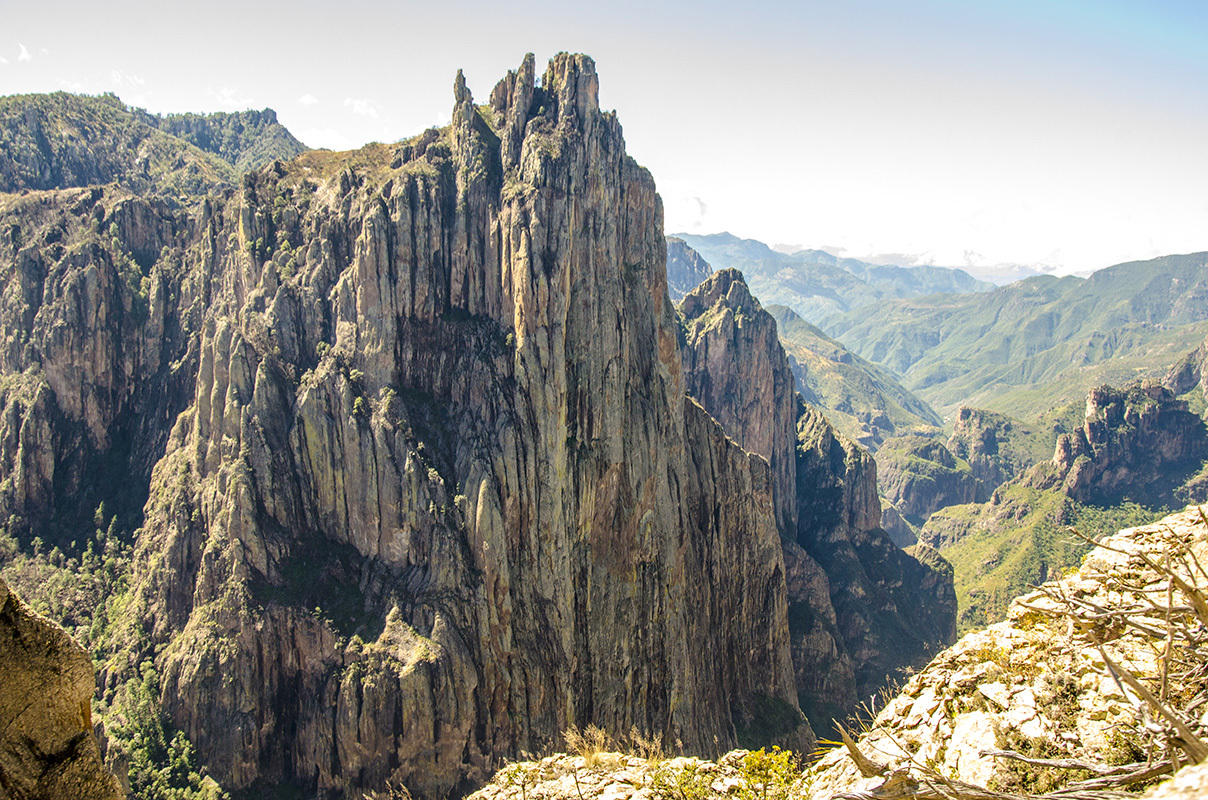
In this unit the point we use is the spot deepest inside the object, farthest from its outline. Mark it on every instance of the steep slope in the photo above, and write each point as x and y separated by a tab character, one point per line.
1190	373
861	611
861	399
246	140
47	747
1137	450
996	446
817	285
1040	685
1031	707
1038	343
424	487
919	476
685	268
62	141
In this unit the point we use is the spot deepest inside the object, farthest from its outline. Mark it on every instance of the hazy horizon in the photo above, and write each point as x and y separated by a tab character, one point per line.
1062	136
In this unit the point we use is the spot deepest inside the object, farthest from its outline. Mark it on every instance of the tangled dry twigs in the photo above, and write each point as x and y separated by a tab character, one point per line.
1158	597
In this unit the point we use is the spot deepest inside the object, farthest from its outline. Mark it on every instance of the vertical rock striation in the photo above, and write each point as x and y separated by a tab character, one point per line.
861	611
439	493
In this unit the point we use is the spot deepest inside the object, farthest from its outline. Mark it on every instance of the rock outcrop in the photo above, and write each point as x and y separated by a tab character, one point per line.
1137	442
1037	687
1189	372
735	367
996	447
438	493
919	476
47	747
685	268
1038	683
406	439
860	610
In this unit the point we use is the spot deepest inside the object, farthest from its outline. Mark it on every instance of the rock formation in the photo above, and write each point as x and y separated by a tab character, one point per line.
919	476
996	447
685	268
1137	442
1010	711
1038	683
405	443
47	747
1189	372
438	492
860	610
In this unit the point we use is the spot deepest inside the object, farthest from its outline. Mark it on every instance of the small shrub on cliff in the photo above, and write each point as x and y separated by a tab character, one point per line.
592	743
689	782
767	775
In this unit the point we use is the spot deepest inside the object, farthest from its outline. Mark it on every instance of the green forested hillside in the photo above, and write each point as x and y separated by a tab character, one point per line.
1038	343
61	140
862	400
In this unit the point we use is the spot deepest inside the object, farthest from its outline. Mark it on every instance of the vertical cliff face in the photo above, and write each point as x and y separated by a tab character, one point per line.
860	609
47	747
439	493
97	308
734	365
919	476
1189	372
686	269
1137	442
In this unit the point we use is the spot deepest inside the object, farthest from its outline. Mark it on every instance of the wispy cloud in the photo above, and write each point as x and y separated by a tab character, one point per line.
25	56
307	100
125	80
72	86
230	97
3	60
363	107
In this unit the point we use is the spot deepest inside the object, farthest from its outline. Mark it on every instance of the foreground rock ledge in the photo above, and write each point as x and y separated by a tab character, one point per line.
47	748
1035	680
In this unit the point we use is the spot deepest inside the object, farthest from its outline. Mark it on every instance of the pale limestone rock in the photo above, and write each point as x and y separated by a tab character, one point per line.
47	747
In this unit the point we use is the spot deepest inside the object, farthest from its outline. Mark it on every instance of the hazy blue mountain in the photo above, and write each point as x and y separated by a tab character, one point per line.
818	285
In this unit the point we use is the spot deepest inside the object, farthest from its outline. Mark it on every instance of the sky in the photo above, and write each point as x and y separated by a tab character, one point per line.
1064	135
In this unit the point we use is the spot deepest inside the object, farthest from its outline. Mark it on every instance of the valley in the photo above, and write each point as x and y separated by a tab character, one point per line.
369	473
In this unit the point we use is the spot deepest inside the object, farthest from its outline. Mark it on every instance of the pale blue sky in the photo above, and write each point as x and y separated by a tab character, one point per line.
1070	134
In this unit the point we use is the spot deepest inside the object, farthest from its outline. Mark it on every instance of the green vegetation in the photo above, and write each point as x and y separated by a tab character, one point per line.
163	763
1003	548
1039	343
862	400
79	141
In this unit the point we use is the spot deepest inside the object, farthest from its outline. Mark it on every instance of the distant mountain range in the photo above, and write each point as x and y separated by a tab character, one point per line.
820	286
1038	343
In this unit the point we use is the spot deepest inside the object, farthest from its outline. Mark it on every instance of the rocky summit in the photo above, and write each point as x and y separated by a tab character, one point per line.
367	470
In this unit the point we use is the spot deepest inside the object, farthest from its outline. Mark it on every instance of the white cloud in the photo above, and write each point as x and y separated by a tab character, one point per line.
3	60
123	80
232	98
329	138
72	86
363	107
25	56
307	100
44	51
